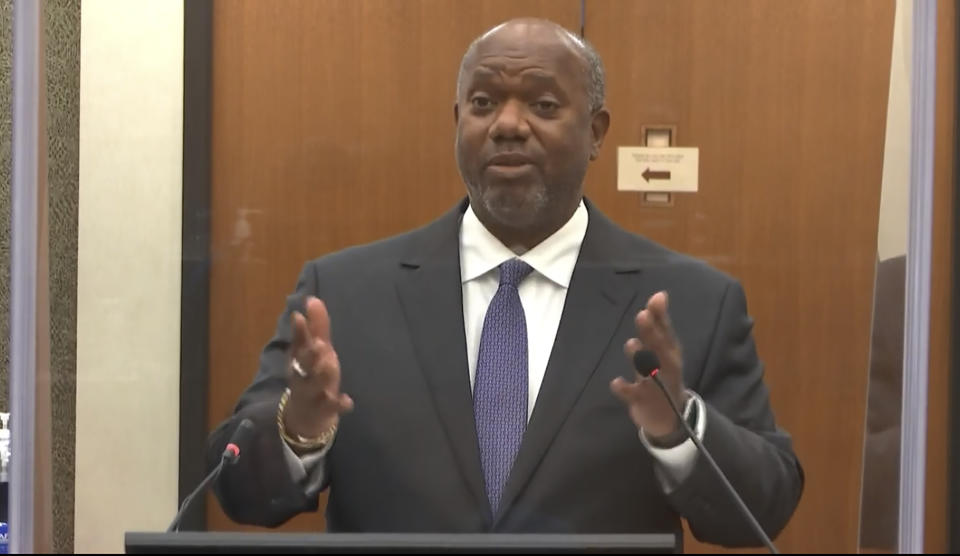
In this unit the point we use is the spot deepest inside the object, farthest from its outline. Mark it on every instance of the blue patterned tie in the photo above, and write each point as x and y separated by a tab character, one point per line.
500	390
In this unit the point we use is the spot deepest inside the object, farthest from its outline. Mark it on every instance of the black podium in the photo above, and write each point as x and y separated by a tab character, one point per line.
391	543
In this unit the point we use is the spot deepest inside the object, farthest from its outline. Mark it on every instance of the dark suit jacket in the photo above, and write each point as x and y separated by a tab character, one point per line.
406	459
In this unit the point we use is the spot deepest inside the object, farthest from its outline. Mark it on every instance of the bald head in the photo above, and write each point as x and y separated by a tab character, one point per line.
525	31
530	118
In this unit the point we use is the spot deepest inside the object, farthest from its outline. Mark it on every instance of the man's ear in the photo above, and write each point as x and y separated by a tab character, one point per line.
598	126
456	112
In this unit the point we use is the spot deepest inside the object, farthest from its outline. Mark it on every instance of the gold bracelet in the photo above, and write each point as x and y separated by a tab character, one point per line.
300	442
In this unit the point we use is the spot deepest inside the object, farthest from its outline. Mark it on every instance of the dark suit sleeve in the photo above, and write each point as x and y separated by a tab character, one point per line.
742	436
259	488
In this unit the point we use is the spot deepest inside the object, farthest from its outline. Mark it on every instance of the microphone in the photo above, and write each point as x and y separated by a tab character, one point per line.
231	454
648	365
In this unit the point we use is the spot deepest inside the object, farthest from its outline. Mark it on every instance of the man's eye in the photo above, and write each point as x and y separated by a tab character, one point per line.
545	105
481	102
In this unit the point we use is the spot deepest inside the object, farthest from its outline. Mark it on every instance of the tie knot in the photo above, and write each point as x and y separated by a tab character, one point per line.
513	272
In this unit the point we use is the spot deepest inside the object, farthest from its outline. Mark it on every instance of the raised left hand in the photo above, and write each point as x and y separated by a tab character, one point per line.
646	404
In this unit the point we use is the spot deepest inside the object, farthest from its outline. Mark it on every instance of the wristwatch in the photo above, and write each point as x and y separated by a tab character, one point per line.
679	436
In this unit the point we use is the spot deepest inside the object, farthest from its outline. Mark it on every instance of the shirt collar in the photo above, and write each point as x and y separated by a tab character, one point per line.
554	257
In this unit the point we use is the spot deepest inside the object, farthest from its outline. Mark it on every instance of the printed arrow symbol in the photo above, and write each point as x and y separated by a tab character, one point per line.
649	174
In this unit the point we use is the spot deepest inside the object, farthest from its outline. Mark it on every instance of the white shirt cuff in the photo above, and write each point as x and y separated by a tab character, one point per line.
677	463
308	470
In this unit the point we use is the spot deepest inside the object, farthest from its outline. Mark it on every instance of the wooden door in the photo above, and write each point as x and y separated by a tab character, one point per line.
787	102
332	126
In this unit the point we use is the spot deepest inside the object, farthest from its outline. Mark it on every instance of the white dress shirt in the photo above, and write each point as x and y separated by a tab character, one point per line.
543	294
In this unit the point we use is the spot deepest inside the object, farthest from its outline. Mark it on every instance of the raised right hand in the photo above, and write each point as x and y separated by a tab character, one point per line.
313	375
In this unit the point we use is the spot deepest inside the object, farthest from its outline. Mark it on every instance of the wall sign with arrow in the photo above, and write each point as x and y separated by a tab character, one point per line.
665	169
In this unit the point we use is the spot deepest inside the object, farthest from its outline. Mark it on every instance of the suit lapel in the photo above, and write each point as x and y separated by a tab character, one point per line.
429	287
601	289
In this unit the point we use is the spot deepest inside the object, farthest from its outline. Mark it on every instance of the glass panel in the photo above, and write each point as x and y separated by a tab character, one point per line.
879	520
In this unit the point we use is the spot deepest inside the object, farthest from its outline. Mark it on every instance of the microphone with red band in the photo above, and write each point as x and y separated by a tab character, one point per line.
232	451
241	437
647	364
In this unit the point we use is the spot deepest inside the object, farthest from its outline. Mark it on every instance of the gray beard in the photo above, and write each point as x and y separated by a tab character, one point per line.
516	216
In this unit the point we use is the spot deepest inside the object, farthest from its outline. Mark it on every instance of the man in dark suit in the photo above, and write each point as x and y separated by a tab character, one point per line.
474	375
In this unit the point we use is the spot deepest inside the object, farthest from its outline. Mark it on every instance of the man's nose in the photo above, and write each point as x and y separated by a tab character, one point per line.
511	122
